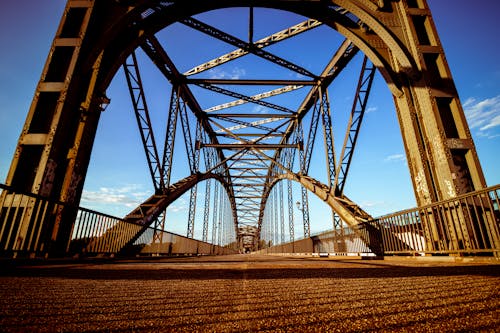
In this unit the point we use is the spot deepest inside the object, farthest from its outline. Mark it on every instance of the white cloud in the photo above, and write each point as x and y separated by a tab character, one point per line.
235	74
122	200
493	123
395	158
483	115
259	109
129	195
371	109
367	204
178	206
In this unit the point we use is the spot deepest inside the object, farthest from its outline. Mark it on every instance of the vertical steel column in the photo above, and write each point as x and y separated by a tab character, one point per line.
290	159
282	212
324	105
168	150
206	212
360	102
221	211
193	159
305	212
305	159
141	111
168	153
329	147
50	156
214	215
291	224
276	219
192	211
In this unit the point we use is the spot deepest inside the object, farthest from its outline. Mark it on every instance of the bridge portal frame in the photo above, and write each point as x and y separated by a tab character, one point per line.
399	37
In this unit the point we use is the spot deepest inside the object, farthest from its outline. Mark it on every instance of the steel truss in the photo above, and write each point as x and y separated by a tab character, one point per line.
247	151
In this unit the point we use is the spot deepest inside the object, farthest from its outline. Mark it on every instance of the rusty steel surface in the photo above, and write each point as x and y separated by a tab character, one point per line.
95	39
250	293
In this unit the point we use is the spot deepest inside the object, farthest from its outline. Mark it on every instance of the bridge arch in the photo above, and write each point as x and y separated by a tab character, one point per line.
146	213
347	210
128	30
95	38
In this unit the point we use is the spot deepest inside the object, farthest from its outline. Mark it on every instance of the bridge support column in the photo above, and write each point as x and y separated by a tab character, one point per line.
441	154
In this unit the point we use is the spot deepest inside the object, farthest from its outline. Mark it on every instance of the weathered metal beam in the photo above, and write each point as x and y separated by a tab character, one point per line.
275	116
251	134
223	36
257	97
244	124
344	54
272	39
252	82
141	111
363	89
160	58
234	94
266	146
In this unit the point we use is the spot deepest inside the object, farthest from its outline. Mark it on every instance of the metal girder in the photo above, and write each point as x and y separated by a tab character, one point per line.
53	151
254	124
192	211
252	115
192	153
255	98
275	217
249	145
252	82
341	58
272	39
357	112
157	54
337	63
160	58
282	212
291	226
261	176
214	214
168	148
141	111
329	146
221	215
242	97
357	219
149	211
305	212
306	154
206	211
216	33
328	135
249	134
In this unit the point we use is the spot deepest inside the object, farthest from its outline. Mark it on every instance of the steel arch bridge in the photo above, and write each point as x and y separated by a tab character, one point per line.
247	151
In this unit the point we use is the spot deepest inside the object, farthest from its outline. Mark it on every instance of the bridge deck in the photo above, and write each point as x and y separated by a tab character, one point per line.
250	293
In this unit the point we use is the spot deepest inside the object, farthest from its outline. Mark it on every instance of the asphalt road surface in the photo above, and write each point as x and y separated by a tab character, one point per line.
250	293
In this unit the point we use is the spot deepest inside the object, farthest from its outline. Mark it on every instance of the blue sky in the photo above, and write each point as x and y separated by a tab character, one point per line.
379	181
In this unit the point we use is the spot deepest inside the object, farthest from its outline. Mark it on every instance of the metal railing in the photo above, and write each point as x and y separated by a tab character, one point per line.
465	224
27	224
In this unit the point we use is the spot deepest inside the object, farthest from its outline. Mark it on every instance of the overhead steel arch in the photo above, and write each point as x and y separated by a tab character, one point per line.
96	37
134	21
354	216
151	209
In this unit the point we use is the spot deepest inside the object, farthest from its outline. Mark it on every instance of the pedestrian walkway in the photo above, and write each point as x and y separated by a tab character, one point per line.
249	293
